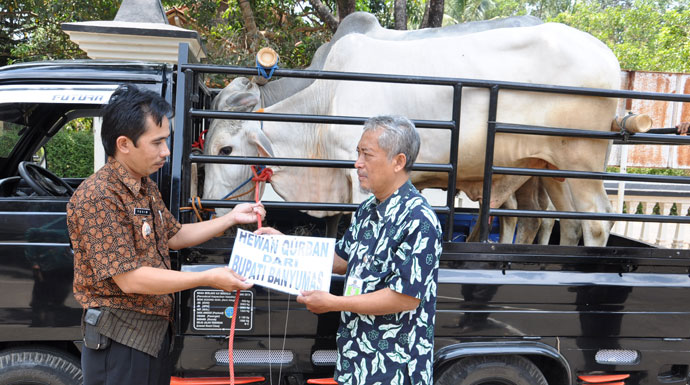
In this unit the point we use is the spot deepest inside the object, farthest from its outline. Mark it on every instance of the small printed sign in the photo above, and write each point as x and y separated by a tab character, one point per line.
213	310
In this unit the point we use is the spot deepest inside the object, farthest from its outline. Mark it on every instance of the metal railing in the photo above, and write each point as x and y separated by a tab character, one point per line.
188	76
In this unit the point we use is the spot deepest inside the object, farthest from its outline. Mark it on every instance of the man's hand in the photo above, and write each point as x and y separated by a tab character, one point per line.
247	213
267	231
156	281
683	128
318	301
192	234
224	278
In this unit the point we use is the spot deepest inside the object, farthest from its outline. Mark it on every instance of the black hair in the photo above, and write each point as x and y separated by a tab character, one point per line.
126	114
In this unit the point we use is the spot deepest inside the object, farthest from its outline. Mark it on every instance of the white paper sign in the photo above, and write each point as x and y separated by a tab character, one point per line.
284	262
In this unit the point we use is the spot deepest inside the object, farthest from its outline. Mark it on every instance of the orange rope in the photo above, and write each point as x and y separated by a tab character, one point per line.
196	204
240	195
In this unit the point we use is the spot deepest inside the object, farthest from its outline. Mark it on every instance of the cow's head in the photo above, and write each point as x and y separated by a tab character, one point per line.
236	138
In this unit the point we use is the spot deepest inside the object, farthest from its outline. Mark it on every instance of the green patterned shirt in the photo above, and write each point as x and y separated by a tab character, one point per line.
394	244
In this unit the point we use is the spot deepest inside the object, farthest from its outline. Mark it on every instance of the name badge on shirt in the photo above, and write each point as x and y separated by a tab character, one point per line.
140	211
354	286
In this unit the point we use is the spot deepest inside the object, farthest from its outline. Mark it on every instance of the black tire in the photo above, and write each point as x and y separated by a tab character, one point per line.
38	365
492	370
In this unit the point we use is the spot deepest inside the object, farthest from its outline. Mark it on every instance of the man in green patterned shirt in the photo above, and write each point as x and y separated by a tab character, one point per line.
390	255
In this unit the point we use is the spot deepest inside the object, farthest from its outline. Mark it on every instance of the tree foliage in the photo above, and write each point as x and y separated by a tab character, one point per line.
292	29
69	154
30	29
648	35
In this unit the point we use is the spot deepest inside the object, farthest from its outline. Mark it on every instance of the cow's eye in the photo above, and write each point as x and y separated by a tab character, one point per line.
225	151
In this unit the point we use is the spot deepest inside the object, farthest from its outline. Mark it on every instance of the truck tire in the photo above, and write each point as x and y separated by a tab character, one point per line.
492	370
38	365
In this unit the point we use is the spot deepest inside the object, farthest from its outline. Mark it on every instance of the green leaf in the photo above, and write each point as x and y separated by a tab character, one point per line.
391	330
399	355
424	346
378	363
365	345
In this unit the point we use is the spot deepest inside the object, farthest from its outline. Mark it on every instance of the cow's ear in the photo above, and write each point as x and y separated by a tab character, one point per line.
262	143
241	101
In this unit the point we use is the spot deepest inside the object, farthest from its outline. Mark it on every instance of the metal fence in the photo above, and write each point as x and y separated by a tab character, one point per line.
188	75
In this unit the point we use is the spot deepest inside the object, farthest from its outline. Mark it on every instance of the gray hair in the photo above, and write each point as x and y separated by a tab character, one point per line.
398	136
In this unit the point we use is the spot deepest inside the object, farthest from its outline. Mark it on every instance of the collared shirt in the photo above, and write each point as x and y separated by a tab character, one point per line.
394	244
118	224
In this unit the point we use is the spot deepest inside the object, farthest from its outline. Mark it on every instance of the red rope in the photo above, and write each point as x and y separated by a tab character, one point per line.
231	338
263	176
200	142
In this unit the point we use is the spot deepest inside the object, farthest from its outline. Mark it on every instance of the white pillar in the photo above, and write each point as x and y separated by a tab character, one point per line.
665	233
681	239
647	231
630	226
98	150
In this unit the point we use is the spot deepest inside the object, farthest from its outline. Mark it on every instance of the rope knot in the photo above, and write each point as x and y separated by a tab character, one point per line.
262	174
200	142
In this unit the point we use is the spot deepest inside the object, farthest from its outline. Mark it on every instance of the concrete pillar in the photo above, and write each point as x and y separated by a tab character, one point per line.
681	238
647	231
665	234
631	228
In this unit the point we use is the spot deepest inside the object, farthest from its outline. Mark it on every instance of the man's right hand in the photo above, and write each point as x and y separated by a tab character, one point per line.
267	231
683	128
224	278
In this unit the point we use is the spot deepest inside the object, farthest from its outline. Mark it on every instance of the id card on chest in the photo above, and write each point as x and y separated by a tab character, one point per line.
355	283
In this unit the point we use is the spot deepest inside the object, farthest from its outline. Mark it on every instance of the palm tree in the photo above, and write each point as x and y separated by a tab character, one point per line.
468	10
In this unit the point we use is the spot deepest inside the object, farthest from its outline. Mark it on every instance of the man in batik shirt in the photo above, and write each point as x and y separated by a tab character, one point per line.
390	255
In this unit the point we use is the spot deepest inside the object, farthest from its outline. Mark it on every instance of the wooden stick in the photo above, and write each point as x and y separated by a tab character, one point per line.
632	123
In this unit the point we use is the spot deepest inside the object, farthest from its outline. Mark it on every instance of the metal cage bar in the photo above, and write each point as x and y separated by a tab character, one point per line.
454	126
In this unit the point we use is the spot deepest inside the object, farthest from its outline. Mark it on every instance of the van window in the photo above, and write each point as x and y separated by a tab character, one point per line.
69	153
9	136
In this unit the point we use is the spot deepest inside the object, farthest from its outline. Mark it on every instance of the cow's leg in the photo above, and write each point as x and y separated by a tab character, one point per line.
332	223
590	196
546	223
562	199
507	224
502	188
526	197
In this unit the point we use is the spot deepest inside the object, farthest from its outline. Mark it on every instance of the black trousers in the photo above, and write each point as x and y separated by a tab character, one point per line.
119	364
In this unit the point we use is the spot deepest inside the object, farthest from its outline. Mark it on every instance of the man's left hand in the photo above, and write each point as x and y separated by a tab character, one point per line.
247	213
317	301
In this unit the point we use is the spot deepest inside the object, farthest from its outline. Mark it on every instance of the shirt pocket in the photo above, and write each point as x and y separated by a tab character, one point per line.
376	273
144	237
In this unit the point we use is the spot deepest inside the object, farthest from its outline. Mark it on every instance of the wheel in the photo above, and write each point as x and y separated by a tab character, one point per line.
492	370
44	182
40	366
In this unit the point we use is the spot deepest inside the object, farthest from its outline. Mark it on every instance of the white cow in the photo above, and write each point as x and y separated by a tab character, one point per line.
545	54
367	24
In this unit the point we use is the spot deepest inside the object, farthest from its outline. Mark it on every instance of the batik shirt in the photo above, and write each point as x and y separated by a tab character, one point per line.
394	244
118	224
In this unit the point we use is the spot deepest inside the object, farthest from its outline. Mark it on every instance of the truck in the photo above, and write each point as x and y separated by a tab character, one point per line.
506	313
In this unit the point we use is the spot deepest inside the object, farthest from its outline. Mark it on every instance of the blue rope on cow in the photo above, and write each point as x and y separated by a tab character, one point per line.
258	170
262	70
